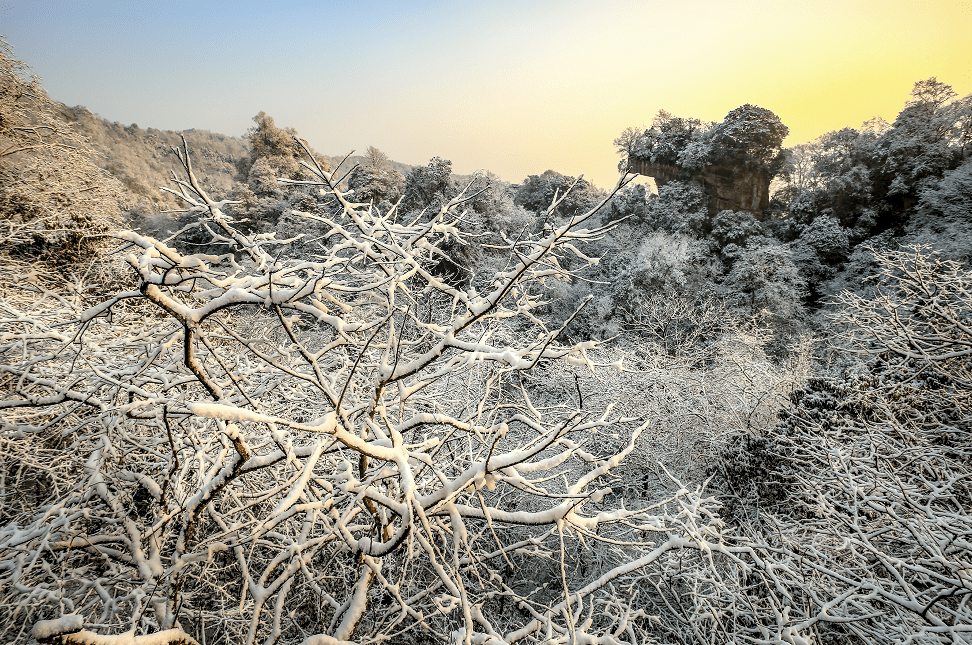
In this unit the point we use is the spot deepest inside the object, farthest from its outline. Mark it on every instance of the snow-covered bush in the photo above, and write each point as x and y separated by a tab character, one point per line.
244	447
860	498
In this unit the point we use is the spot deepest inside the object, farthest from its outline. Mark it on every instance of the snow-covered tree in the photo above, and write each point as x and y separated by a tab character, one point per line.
375	180
763	279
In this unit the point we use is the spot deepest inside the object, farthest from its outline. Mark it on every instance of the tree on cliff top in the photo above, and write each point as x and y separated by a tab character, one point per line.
749	135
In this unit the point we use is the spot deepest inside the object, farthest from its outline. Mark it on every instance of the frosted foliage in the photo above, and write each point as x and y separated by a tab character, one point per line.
826	236
860	497
921	311
344	448
262	179
874	464
951	198
661	263
763	278
943	214
734	227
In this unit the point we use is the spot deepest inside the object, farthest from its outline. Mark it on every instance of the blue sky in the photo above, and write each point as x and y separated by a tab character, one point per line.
512	87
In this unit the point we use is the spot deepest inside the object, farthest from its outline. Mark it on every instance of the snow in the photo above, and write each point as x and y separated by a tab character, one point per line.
63	625
324	639
73	624
229	413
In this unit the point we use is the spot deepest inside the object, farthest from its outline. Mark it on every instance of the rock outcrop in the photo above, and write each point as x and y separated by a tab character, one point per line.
726	187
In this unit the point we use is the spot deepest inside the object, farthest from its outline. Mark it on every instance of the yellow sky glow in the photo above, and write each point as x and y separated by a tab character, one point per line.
508	86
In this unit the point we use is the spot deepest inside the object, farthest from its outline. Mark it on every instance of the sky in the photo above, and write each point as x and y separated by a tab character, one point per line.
513	87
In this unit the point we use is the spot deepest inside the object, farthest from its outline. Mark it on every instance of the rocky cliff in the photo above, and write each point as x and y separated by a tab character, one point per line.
726	187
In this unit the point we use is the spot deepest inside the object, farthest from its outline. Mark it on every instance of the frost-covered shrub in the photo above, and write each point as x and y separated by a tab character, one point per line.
734	227
827	238
537	193
865	481
637	268
376	180
287	449
262	179
819	251
763	278
680	208
631	203
660	265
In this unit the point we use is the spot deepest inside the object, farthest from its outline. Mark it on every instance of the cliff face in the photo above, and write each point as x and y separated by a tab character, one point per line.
726	187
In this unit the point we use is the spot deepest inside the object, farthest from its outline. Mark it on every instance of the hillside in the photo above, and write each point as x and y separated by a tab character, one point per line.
142	158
